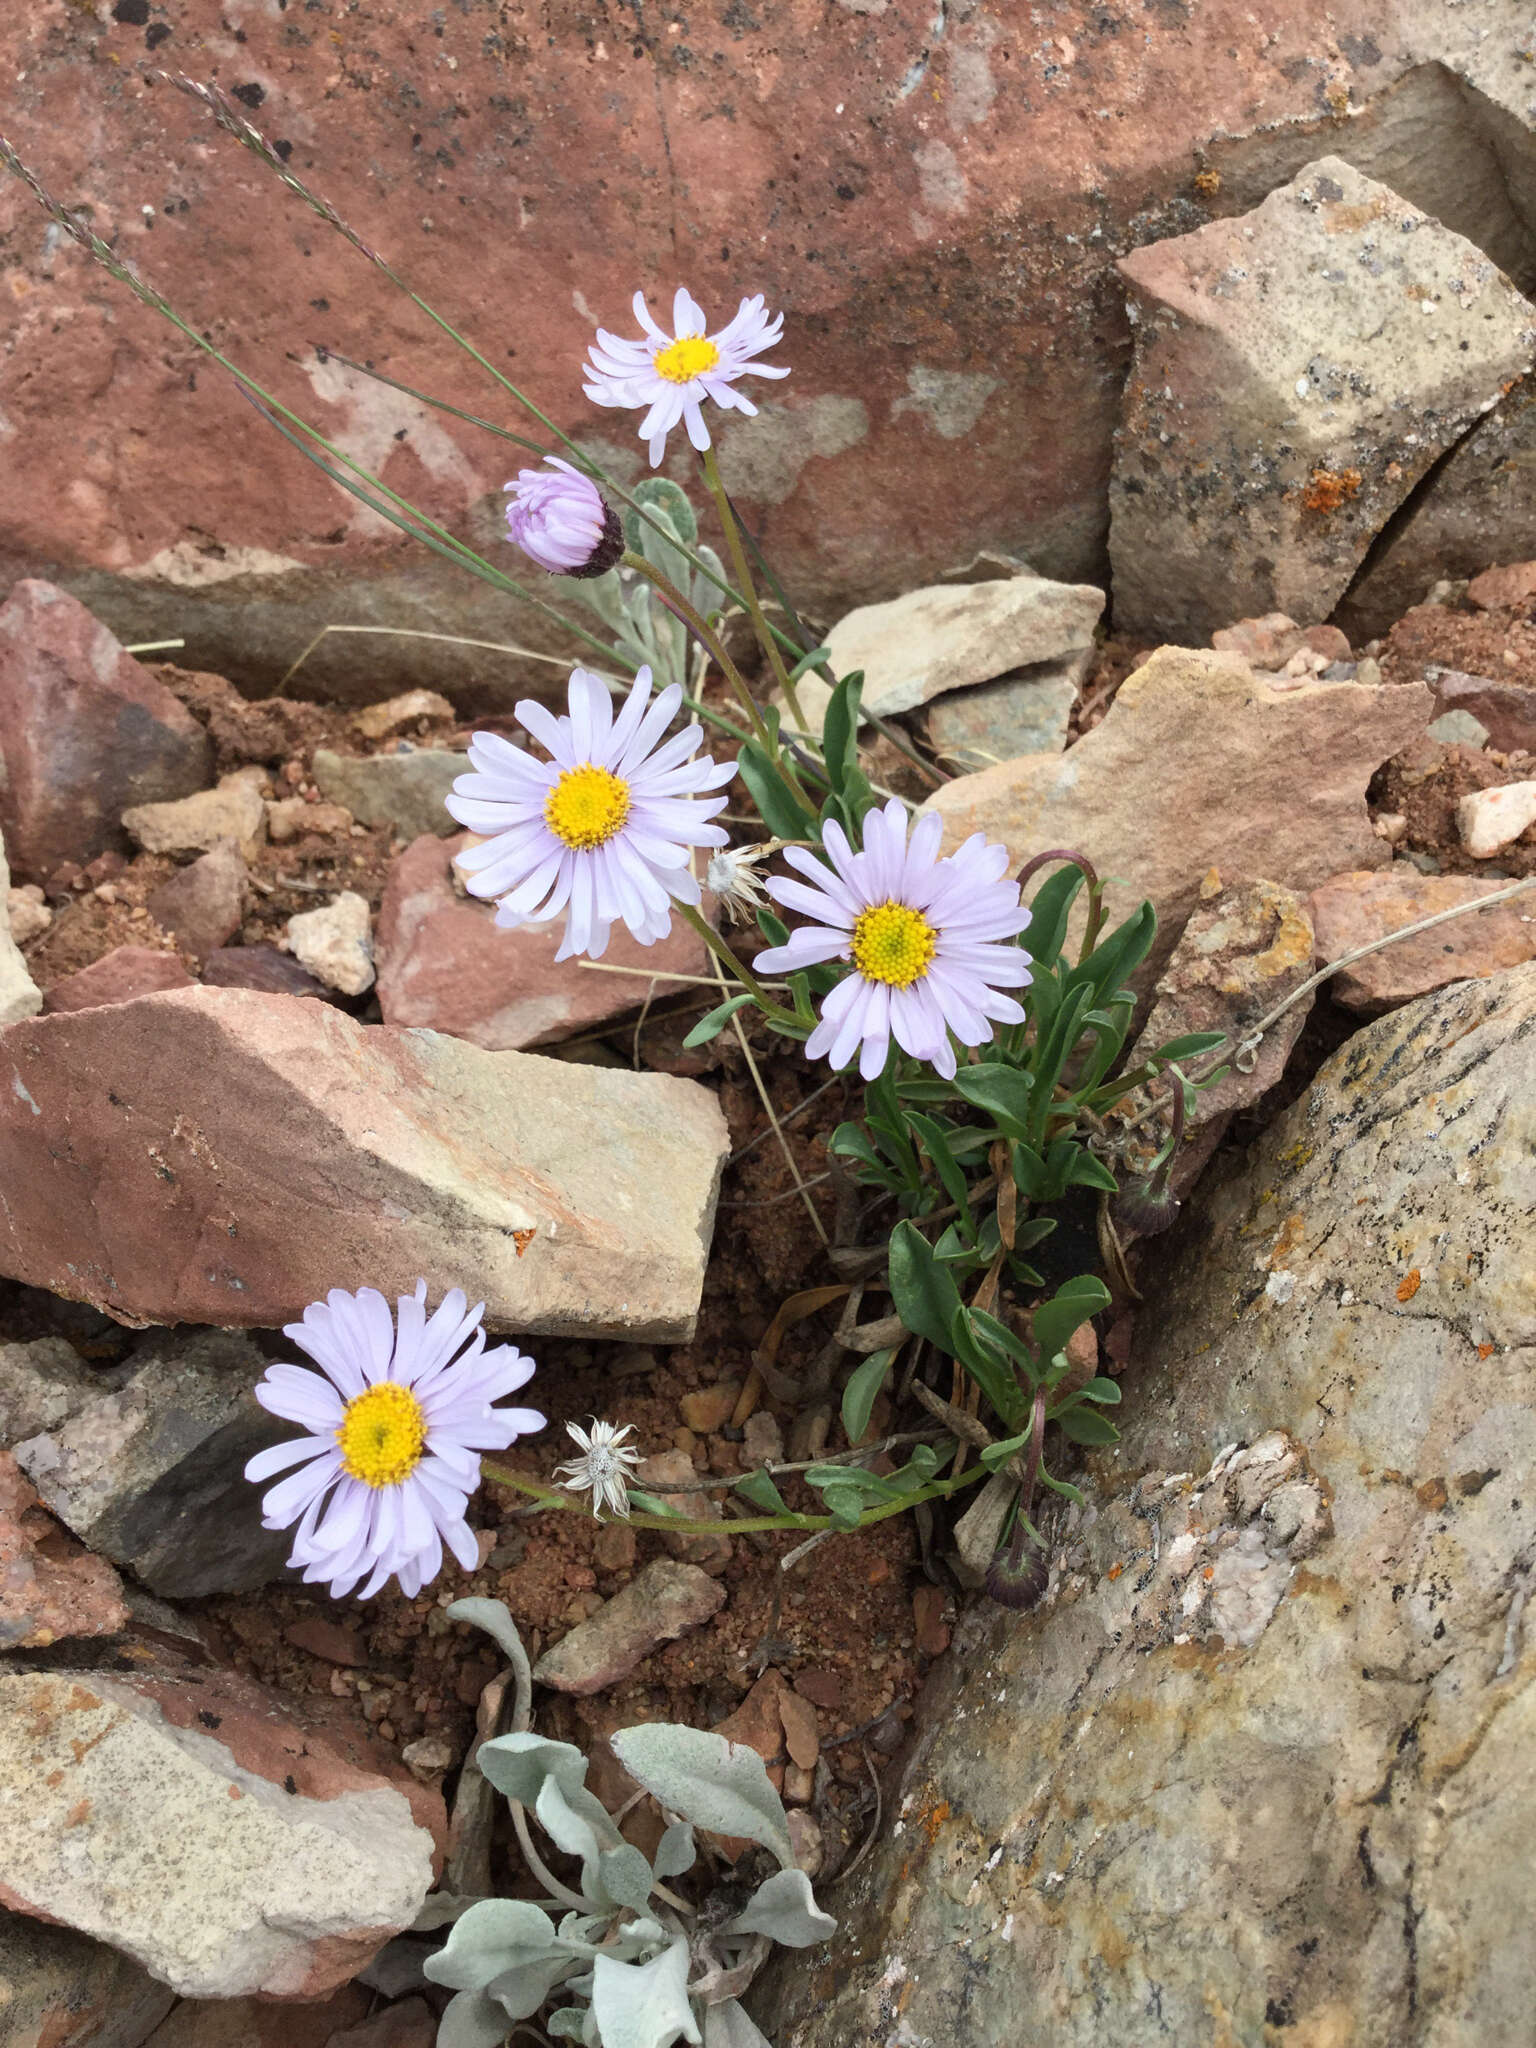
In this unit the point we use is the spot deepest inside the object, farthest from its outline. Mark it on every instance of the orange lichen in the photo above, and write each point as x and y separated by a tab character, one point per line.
1208	183
1409	1285
1327	489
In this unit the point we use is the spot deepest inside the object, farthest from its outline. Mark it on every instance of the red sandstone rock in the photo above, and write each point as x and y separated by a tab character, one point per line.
231	1842
443	963
60	1990
245	1153
258	2023
202	905
51	1588
1354	909
1497	588
1506	710
84	732
263	969
120	976
940	244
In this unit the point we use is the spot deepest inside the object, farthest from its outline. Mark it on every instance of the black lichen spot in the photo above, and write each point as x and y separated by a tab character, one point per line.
131	13
209	1719
283	149
1278	2012
250	95
157	33
289	1785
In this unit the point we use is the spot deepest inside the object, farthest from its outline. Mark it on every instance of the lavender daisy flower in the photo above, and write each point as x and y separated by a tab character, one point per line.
604	1465
396	1423
563	522
672	374
603	830
930	941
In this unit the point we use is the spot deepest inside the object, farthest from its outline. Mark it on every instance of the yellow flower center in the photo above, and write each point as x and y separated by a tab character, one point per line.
893	943
686	358
382	1434
586	807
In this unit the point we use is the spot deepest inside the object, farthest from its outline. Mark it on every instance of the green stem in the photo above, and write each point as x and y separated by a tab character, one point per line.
749	589
675	601
729	961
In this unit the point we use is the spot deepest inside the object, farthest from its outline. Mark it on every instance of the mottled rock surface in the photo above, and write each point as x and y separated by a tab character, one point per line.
661	1602
146	1473
1355	910
1200	764
84	731
196	824
262	2023
1261	1766
202	904
195	1825
247	1153
1507	710
60	1990
1026	713
404	789
1297	371
1491	819
334	942
42	1382
51	1589
444	963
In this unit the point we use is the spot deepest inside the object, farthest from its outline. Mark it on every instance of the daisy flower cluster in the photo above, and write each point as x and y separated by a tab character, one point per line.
395	1421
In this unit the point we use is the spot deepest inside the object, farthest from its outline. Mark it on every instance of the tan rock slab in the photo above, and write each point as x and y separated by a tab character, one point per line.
196	824
378	721
290	817
660	1603
334	941
195	1824
1357	909
248	1152
1488	820
19	994
1201	764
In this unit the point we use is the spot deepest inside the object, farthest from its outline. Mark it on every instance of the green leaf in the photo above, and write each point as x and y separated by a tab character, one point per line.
839	730
773	929
864	1384
1074	1303
1048	914
784	1908
659	495
844	1503
1087	1426
813	658
924	1294
1088	1172
1117	957
1188	1047
997	1455
760	1490
517	1765
936	1144
474	2020
995	1377
652	1504
716	1784
1104	1391
775	806
714	1021
1003	1092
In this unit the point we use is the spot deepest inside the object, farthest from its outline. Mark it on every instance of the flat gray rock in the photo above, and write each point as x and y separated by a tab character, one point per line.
405	789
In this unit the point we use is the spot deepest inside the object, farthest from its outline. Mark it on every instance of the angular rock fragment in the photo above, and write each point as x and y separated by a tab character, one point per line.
262	2023
445	963
378	721
60	1990
84	731
334	942
51	1588
1506	710
43	1382
661	1602
916	647
1201	764
196	1825
19	993
290	817
202	904
196	824
121	976
1297	371
1027	713
146	1473
263	969
404	789
1356	909
247	1153
1491	819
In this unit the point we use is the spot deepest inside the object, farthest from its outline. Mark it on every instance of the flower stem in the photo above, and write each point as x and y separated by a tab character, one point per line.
748	588
675	601
728	959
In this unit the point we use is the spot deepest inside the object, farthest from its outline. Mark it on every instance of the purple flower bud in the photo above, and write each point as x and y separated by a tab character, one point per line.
562	521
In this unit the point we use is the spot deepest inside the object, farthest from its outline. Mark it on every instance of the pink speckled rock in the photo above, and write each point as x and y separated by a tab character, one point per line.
120	976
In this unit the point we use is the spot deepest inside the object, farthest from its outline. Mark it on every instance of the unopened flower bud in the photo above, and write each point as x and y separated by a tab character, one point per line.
563	522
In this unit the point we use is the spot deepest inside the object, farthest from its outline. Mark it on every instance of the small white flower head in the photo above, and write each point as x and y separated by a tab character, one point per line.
730	876
603	1467
671	375
395	1424
560	520
603	830
930	941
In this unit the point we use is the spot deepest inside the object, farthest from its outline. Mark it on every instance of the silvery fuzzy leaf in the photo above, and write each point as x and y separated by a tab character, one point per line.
521	1990
490	1937
719	1785
573	1832
644	2005
641	1936
518	1765
473	2020
495	1618
625	1877
675	1851
784	1907
568	2024
441	1909
729	2025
